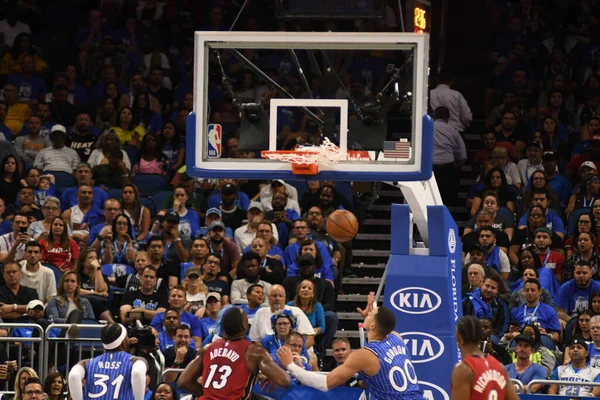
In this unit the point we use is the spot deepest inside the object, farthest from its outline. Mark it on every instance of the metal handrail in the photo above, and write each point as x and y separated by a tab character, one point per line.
519	385
562	383
39	339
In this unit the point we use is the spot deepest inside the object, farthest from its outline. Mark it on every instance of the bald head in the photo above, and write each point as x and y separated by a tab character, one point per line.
276	298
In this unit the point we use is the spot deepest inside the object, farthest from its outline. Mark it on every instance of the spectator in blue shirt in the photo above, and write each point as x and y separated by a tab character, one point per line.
559	184
189	221
575	295
577	371
535	311
213	306
524	369
83	175
553	220
30	86
5	226
241	199
212	215
166	337
177	301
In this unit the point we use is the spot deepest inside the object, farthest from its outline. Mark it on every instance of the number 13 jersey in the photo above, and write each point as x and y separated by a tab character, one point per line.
224	371
108	377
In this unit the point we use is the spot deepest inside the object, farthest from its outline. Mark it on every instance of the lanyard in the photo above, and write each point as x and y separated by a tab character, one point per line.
530	319
586	204
546	259
120	254
264	264
212	250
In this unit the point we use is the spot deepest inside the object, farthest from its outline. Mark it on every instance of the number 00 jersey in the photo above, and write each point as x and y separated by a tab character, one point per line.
489	381
225	372
108	377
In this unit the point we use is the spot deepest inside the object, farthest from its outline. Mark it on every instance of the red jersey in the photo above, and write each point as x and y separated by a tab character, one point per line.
489	380
225	372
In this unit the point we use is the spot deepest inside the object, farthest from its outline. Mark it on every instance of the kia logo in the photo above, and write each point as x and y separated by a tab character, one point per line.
422	346
433	392
451	241
416	300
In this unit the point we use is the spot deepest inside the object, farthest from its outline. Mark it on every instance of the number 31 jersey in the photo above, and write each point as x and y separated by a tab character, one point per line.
108	377
224	371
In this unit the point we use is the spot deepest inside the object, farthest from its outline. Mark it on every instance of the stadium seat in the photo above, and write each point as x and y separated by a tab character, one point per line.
114	194
57	272
149	184
547	342
569	329
132	153
159	199
571	226
63	180
345	189
149	204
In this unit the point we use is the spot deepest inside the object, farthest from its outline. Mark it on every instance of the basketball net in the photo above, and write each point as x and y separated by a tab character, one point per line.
306	160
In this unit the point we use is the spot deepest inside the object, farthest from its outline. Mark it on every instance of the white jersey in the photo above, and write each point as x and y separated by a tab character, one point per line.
570	374
76	221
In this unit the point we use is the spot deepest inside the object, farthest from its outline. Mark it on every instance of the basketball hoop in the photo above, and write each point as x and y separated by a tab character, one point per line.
306	160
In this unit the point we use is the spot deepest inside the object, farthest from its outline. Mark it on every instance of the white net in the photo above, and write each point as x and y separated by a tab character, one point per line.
325	154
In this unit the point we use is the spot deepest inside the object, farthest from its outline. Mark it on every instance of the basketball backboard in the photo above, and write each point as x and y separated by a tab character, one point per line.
259	91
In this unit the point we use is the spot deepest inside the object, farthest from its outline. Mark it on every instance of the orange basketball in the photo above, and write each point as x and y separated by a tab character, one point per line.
342	226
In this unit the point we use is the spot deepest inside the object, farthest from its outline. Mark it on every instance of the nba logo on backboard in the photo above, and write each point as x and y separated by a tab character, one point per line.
214	141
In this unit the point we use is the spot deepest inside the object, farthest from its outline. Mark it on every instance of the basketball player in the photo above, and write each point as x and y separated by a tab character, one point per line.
383	364
478	376
228	367
116	374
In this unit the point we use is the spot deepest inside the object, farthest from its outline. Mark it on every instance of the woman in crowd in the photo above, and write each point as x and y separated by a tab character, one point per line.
496	182
137	213
148	119
68	300
265	230
189	220
165	391
106	113
151	160
171	146
93	285
118	247
584	250
196	292
503	218
596	215
539	180
585	196
306	300
585	223
553	136
595	303
308	246
10	182
127	130
23	374
58	248
43	185
55	387
51	211
582	327
107	142
283	323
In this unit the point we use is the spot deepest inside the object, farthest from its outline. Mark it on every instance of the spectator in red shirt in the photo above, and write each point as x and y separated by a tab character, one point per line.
549	258
58	248
488	140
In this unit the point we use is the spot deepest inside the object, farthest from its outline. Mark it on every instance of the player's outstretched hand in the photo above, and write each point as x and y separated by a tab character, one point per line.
369	308
285	355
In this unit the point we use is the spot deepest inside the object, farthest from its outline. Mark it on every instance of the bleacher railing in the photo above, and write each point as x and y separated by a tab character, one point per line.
23	349
519	385
560	383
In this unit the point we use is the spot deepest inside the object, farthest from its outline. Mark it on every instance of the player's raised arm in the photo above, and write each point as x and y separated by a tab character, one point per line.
188	380
462	380
76	377
258	357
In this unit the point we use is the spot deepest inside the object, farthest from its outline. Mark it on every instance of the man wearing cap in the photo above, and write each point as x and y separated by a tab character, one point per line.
14	297
232	213
536	312
34	315
246	233
226	249
229	189
575	295
559	184
549	258
177	301
57	158
177	246
251	263
576	165
532	163
523	369
577	371
213	307
214	215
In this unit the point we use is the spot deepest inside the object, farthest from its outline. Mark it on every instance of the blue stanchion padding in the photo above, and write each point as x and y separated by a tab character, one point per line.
424	293
304	393
545	397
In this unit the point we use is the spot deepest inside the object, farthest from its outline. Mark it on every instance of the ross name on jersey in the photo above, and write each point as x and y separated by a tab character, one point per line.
109	364
393	352
224	352
490	376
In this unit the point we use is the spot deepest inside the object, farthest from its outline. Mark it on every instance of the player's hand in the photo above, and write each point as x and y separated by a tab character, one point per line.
285	355
369	308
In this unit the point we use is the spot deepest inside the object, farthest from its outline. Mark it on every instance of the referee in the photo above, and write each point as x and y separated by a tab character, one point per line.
449	154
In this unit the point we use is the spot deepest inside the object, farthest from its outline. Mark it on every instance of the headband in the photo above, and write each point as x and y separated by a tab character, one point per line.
117	342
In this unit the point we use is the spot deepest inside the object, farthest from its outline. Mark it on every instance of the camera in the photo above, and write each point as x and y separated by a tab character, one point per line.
146	340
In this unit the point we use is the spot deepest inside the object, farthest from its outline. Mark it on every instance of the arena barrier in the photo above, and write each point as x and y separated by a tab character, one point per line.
61	353
23	351
518	386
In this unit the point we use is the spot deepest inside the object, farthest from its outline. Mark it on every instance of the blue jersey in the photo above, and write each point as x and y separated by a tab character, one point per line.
108	377
396	379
